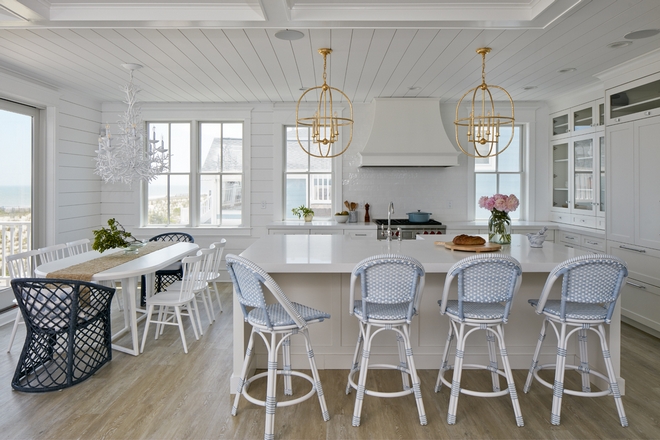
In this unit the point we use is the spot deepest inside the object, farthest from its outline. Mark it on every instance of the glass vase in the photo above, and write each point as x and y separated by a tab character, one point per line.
499	227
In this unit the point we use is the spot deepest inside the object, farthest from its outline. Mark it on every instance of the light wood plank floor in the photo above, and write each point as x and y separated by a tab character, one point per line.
165	394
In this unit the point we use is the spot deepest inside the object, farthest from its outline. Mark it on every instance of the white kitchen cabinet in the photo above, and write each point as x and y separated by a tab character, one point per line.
647	133
570	239
578	178
584	118
640	297
592	243
633	101
363	234
640	302
633	182
596	244
621	184
633	225
326	232
561	177
289	231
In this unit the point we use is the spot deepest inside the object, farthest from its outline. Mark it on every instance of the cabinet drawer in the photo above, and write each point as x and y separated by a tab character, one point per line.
326	232
593	243
640	302
584	220
288	231
643	263
561	217
370	234
570	238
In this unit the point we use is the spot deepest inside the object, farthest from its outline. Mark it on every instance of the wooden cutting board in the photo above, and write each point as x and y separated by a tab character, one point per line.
487	247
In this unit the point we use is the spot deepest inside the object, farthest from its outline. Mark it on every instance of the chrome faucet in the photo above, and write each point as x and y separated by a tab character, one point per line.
390	211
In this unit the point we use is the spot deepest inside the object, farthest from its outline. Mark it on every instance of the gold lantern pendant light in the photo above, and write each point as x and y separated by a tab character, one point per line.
483	130
324	123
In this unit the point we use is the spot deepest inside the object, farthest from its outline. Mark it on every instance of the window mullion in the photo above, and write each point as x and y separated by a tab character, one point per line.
194	176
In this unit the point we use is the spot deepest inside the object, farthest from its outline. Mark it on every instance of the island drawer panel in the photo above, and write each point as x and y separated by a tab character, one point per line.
641	302
570	238
370	234
643	263
593	243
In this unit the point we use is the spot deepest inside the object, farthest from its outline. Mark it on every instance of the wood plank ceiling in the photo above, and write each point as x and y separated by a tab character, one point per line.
222	51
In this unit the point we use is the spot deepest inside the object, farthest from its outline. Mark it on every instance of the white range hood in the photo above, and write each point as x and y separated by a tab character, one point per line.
408	132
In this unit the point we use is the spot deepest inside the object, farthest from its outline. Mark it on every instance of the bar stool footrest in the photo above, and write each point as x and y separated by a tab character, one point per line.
573	392
368	392
280	373
503	392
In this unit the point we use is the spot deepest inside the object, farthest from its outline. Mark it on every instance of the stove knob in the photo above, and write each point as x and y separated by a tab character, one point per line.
432	232
426	232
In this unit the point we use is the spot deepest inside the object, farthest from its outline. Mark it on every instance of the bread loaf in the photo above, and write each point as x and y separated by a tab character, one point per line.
468	240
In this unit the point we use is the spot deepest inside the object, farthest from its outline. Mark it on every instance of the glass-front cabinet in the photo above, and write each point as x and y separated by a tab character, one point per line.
560	177
635	100
583	198
601	180
585	118
560	124
578	178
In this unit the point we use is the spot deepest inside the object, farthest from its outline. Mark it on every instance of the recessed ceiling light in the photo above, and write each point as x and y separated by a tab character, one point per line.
566	70
529	88
414	88
618	44
644	33
303	88
289	35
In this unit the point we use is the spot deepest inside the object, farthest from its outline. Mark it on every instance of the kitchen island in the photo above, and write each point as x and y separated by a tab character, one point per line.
315	270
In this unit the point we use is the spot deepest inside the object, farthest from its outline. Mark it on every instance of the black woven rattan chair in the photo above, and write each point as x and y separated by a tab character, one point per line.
171	273
68	332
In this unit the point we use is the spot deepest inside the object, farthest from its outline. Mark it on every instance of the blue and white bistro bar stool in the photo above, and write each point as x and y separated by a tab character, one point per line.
487	284
275	324
590	286
391	287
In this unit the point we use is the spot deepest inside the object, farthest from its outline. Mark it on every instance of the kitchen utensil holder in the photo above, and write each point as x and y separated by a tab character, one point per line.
352	216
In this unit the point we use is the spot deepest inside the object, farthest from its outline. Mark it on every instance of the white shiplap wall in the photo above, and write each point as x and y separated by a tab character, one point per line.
78	188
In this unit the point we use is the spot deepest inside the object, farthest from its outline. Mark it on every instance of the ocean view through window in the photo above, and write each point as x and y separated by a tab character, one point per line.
16	146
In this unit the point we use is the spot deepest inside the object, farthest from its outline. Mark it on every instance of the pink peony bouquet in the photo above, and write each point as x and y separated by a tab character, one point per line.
500	206
499	202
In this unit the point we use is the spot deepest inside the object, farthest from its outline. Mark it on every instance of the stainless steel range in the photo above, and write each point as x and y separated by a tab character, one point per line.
407	230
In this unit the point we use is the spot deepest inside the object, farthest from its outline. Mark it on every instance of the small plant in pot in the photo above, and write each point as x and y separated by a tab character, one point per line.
115	236
303	212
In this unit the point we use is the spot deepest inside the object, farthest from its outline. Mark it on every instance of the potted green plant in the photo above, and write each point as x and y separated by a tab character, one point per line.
115	236
304	212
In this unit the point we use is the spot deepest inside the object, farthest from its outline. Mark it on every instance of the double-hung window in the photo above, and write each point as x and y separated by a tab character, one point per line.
204	183
501	174
307	179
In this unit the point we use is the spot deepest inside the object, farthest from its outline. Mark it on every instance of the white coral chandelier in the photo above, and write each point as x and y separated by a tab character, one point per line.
125	159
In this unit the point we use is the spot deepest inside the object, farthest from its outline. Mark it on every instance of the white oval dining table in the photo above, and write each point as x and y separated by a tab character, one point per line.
128	274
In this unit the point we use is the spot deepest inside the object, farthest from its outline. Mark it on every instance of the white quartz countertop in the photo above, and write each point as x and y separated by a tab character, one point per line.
340	254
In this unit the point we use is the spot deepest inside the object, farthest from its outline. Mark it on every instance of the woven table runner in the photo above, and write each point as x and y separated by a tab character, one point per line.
85	271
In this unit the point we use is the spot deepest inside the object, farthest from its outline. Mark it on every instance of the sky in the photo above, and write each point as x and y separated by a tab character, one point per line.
15	149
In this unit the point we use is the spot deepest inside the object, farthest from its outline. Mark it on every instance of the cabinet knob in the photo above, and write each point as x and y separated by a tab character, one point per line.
647	113
617	120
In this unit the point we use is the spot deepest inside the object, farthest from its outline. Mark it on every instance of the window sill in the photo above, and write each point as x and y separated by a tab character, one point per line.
198	231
